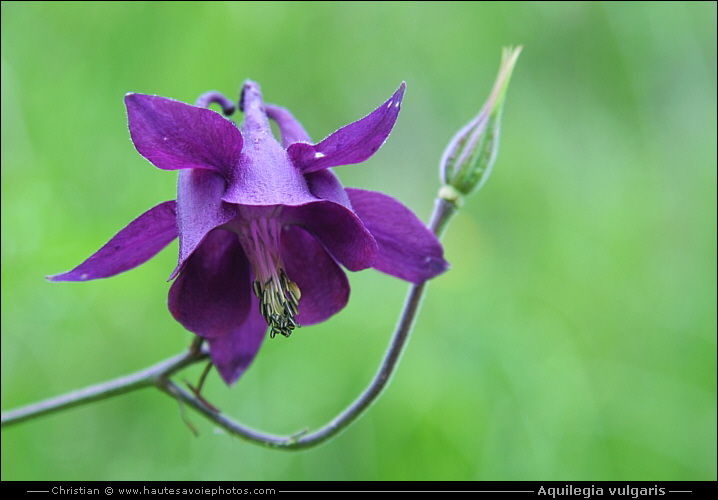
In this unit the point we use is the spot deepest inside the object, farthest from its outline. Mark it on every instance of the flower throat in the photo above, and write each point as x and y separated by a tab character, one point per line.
278	295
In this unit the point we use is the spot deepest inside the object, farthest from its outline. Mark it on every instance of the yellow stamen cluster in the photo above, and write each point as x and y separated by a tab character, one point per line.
278	300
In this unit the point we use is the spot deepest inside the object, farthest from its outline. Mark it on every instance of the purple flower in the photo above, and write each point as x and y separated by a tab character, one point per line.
263	227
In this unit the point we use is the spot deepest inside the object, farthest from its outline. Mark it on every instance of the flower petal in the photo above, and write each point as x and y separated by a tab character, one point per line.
338	229
353	143
325	185
407	249
138	242
211	296
199	209
322	283
233	353
174	135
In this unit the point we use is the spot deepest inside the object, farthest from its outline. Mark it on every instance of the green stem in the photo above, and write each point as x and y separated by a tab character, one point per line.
143	378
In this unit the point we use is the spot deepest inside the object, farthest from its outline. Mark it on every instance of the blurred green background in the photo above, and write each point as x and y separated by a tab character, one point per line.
573	338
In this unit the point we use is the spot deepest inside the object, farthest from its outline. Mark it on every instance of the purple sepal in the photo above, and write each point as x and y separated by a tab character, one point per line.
138	242
352	143
406	247
173	135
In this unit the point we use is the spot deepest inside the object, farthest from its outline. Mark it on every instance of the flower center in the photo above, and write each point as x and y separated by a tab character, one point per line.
278	303
278	295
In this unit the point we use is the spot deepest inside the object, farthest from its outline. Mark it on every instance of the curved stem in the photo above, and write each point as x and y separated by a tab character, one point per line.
158	375
143	378
443	211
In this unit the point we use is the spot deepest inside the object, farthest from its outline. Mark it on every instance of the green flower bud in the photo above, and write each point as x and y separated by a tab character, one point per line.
467	160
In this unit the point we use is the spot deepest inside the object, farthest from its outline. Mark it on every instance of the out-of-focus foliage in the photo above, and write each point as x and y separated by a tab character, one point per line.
574	336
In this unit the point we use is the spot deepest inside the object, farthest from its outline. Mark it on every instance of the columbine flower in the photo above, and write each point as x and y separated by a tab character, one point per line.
263	227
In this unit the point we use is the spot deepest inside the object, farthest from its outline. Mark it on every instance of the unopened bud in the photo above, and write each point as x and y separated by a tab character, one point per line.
467	160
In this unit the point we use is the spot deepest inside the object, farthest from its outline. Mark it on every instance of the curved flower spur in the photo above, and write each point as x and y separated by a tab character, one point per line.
263	227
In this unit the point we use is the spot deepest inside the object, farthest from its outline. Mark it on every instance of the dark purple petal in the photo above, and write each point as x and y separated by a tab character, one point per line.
291	130
407	249
353	143
138	242
211	296
174	135
199	209
233	353
322	283
325	185
338	229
